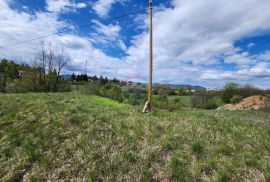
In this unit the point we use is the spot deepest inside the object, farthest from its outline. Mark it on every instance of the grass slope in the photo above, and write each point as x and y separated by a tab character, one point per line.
70	136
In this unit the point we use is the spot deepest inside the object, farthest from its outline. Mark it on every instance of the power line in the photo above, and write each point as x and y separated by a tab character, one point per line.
77	28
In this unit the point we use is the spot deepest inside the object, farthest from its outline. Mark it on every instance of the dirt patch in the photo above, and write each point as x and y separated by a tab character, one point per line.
249	103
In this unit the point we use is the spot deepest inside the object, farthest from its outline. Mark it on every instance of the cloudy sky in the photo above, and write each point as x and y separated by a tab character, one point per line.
205	42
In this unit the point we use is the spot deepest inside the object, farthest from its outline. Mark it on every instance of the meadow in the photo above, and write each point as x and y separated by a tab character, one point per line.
78	137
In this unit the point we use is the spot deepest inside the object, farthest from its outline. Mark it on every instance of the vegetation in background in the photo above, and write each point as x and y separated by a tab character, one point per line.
234	89
8	71
43	76
204	100
112	91
236	99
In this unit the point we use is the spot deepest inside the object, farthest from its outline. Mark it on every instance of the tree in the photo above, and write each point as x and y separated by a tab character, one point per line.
95	78
41	65
230	89
73	77
102	80
61	61
115	81
50	64
8	71
106	80
85	77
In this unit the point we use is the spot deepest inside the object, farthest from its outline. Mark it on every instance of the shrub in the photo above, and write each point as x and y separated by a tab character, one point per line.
134	101
134	96
64	86
162	102
236	99
249	90
210	104
92	88
203	100
28	83
172	92
164	90
181	91
176	100
230	89
112	91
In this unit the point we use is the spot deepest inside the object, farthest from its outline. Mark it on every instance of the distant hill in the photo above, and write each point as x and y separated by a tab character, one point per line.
66	76
196	87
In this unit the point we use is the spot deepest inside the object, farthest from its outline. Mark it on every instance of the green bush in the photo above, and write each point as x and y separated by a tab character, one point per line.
203	100
232	89
176	100
92	88
135	96
236	99
162	102
112	91
210	104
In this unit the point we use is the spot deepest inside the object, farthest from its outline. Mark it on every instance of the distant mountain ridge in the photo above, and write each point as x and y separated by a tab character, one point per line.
194	87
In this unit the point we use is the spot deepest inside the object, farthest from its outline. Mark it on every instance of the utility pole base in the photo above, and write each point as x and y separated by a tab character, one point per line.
146	107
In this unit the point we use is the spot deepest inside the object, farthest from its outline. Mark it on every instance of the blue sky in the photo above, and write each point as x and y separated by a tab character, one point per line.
204	43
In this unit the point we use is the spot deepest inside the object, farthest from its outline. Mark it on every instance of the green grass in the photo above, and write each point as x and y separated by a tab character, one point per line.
71	136
183	101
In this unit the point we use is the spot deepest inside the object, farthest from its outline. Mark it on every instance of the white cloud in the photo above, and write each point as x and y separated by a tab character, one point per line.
122	45
265	56
260	70
241	59
107	35
250	45
59	6
110	32
81	5
102	7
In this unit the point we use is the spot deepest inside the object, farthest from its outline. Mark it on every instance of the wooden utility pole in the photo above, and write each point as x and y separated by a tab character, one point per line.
147	105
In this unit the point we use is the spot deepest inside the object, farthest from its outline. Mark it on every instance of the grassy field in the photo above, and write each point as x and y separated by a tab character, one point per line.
71	136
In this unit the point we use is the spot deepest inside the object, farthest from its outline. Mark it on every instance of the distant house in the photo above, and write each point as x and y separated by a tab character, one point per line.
190	91
130	83
21	73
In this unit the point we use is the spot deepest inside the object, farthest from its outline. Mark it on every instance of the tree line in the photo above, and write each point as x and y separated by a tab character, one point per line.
94	79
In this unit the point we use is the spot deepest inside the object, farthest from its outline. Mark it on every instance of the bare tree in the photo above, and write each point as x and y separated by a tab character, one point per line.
41	64
61	61
50	64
